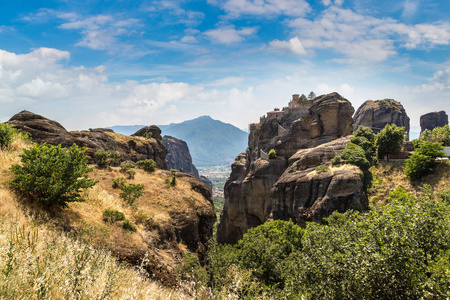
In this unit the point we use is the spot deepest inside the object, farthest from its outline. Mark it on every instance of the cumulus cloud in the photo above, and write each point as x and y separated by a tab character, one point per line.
229	34
236	8
294	45
363	38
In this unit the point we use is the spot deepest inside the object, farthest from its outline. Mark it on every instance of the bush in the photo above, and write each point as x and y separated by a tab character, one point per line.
438	134
148	165
272	154
127	225
106	158
444	195
365	132
111	216
390	139
7	133
127	165
355	155
336	161
132	144
423	160
131	173
51	175
366	145
322	169
119	182
131	193
148	135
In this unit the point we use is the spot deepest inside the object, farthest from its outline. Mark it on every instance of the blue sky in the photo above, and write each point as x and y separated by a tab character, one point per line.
103	63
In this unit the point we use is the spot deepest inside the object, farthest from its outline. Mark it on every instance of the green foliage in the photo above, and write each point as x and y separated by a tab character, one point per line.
444	195
7	133
302	99
365	132
400	194
423	160
131	173
272	154
106	158
148	165
127	225
131	193
336	160
311	95
390	139
437	135
366	145
355	155
127	165
322	169
51	175
192	271
148	135
173	178
119	182
112	216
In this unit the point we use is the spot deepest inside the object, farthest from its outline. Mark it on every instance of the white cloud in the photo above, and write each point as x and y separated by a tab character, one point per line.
174	8
293	45
236	8
229	35
362	38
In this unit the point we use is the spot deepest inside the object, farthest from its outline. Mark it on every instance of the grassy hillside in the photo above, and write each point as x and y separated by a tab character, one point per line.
72	253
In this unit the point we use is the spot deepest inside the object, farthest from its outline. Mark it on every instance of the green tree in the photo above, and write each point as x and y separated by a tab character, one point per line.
52	175
366	132
438	134
390	139
423	160
131	193
311	95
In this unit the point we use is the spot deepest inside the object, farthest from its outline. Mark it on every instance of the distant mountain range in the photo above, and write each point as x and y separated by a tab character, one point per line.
211	142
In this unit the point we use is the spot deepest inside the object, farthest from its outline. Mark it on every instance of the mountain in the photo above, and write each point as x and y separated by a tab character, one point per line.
211	142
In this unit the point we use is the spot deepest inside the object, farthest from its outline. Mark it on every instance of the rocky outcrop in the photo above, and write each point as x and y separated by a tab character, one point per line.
302	194
178	156
432	120
376	114
206	181
43	130
249	196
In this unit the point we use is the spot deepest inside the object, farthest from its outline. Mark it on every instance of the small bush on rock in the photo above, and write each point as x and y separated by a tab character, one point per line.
131	193
106	158
119	182
127	225
272	154
322	169
355	155
148	165
336	161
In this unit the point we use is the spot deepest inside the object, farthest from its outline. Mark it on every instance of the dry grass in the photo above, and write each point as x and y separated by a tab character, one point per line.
390	175
40	261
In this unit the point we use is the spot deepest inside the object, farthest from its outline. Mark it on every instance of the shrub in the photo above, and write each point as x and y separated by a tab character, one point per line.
336	160
444	195
106	158
127	165
390	139
119	182
191	271
148	165
148	135
355	155
322	169
438	134
366	145
173	179
272	154
111	216
423	160
365	132
131	173
51	175
7	133
131	193
127	225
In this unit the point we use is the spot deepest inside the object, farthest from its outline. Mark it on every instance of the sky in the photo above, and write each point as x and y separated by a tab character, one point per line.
100	63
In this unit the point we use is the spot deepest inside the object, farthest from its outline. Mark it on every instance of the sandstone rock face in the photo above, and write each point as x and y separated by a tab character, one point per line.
43	130
376	114
249	196
432	120
178	156
302	194
206	181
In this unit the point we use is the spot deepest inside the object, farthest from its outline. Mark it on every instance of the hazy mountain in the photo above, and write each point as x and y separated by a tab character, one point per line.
211	142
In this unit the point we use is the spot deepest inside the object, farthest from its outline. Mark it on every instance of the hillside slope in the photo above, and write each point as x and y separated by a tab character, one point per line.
46	246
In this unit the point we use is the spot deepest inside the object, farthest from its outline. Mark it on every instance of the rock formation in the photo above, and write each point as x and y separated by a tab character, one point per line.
43	130
251	199
376	114
178	156
432	120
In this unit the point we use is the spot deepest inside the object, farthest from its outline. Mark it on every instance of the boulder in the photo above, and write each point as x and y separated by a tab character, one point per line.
432	120
377	114
43	130
178	156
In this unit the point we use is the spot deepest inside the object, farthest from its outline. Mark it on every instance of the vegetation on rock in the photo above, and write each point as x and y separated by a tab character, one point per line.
52	175
390	139
272	154
106	158
147	165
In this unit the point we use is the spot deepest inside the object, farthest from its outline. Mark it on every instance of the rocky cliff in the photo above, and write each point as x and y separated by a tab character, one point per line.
376	114
43	130
178	156
432	120
259	189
